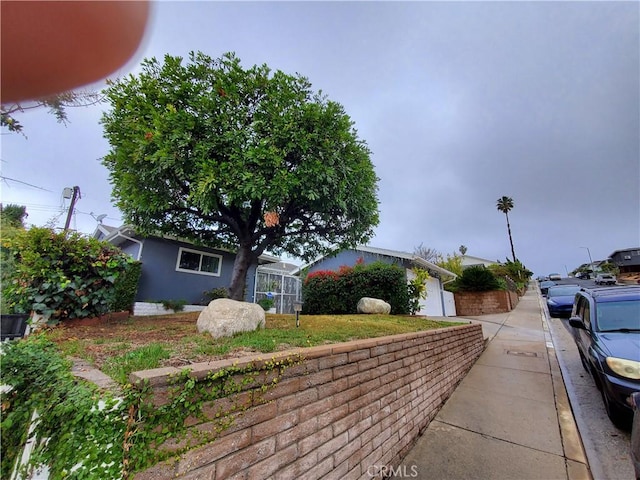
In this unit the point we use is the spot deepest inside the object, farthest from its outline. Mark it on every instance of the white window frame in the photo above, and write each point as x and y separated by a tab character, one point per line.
202	254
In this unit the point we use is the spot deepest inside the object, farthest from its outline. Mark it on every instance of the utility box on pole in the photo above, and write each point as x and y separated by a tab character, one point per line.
75	194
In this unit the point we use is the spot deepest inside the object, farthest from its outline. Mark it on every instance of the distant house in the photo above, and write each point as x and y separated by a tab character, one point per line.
470	261
628	263
439	302
175	269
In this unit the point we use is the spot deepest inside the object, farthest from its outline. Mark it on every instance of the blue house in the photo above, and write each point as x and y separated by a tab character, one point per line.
175	269
439	302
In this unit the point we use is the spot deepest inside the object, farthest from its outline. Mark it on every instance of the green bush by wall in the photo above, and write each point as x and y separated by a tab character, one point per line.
67	275
329	292
126	286
478	279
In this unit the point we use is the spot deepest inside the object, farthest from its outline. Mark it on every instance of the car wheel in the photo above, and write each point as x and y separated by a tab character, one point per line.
618	416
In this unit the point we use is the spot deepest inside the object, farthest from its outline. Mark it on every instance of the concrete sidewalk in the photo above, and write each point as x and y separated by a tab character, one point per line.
510	417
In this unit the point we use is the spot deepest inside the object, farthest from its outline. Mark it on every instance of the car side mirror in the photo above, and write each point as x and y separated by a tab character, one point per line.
576	322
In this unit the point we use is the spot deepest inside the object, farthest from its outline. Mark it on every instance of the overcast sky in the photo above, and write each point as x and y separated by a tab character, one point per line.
459	102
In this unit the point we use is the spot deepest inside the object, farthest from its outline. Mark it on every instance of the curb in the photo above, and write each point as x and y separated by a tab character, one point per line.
576	459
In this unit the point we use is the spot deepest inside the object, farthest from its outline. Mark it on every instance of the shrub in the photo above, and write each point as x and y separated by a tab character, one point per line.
477	279
210	295
453	263
516	272
175	305
65	275
266	303
321	294
126	286
417	289
9	228
329	292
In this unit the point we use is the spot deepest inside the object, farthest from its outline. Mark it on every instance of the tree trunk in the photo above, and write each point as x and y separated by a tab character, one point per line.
513	253
239	275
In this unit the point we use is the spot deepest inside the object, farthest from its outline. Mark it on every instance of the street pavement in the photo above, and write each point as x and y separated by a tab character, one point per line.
608	448
510	417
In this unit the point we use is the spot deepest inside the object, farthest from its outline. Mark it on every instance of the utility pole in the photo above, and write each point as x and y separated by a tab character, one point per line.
74	197
590	261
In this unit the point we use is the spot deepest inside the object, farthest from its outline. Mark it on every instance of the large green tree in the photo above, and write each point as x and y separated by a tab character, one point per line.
247	159
505	205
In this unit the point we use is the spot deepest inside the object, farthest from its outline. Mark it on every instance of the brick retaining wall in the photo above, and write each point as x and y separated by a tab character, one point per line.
484	303
347	410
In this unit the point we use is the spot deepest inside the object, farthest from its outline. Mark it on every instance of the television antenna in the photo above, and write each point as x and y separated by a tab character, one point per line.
98	218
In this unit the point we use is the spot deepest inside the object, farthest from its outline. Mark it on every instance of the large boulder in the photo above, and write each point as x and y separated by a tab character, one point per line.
373	305
224	318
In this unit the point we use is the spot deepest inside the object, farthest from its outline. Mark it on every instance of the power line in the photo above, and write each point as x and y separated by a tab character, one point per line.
107	217
24	183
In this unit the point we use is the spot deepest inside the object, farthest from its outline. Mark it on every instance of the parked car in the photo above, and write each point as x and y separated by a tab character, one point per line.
555	276
605	279
606	329
544	286
560	299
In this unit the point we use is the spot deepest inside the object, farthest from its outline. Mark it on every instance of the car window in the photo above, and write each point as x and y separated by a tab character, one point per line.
623	315
562	291
586	314
581	309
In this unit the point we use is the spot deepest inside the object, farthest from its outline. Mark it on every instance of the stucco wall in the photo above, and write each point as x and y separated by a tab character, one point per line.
484	303
347	410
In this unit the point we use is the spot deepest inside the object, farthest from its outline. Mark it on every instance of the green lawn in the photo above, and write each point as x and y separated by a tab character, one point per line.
173	340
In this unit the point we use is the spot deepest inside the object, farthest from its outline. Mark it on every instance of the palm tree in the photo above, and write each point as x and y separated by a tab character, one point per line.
505	204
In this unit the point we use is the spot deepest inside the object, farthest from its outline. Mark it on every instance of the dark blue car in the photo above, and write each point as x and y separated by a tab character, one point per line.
606	328
544	286
560	299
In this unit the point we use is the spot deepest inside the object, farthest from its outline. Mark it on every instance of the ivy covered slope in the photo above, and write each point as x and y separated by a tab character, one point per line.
240	158
66	275
84	433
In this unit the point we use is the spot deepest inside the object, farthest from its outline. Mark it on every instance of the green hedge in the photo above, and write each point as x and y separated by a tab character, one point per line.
66	275
126	286
338	292
478	279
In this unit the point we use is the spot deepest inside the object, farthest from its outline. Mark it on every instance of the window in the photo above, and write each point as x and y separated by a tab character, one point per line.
586	315
620	315
193	261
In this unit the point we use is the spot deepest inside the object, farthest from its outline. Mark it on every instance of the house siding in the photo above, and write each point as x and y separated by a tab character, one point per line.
626	260
131	248
350	258
160	280
436	303
470	261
